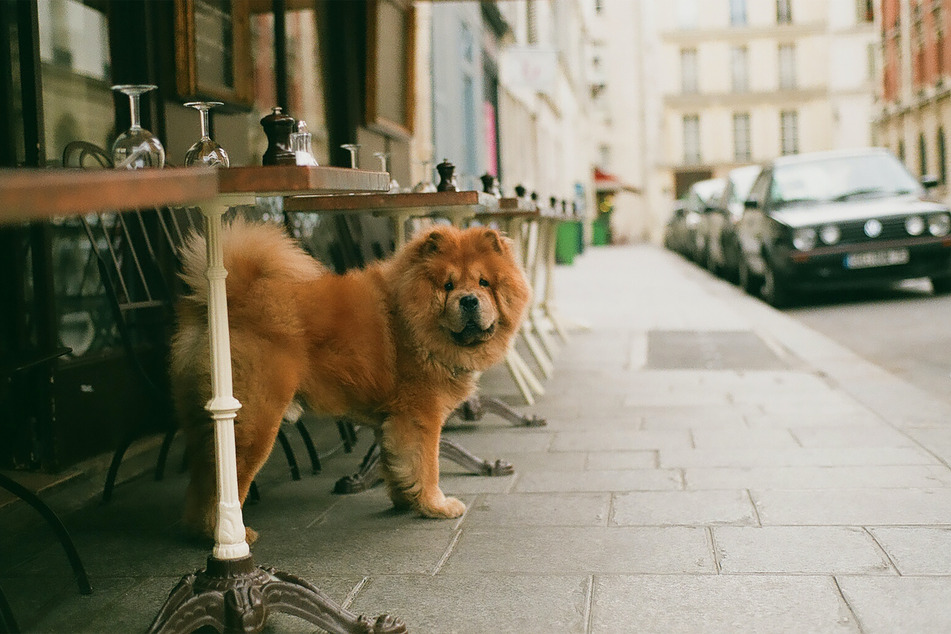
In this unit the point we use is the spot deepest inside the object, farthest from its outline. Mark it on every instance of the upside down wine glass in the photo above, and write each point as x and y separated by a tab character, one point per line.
136	147
205	151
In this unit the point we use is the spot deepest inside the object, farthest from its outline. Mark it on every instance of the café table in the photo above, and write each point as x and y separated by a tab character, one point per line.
252	591
29	195
231	592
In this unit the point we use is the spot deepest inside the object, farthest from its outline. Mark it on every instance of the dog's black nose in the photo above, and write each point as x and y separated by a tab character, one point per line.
469	302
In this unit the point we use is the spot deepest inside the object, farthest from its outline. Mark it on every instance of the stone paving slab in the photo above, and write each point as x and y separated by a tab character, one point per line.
884	605
851	477
663	604
854	507
532	550
799	550
917	550
683	508
600	480
477	603
804	457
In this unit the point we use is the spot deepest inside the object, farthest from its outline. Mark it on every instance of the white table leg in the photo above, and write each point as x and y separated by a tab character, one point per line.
229	530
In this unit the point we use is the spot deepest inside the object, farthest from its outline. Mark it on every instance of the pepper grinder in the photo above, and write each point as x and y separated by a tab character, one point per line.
447	177
490	185
278	127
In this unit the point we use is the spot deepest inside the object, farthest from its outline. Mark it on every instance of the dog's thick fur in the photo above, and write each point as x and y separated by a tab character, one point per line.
395	346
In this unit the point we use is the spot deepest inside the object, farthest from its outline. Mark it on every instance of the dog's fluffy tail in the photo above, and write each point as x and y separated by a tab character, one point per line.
252	251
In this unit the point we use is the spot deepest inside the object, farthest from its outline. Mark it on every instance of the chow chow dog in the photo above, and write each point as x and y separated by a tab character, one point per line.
396	346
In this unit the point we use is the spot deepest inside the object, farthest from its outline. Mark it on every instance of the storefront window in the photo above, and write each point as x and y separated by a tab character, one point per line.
76	75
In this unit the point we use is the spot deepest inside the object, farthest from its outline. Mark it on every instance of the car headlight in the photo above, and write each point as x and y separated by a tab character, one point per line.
915	225
830	234
804	238
939	224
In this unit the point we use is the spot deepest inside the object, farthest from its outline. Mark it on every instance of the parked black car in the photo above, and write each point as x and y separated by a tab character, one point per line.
721	254
843	218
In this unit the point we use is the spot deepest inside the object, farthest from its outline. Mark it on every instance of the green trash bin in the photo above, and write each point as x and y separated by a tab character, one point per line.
568	242
601	229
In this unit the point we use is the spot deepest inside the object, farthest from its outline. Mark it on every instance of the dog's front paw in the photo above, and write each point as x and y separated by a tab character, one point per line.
445	508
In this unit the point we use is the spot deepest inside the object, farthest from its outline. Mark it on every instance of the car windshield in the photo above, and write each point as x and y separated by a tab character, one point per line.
840	178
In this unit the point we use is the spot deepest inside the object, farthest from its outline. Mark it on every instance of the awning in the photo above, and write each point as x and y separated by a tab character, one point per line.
607	182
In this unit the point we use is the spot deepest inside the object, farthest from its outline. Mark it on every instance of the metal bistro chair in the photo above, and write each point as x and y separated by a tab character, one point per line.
137	255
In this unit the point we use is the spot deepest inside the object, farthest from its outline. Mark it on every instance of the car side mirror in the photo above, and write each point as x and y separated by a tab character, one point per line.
929	180
751	203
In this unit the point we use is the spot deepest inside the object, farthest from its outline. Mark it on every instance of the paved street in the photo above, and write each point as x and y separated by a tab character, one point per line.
709	465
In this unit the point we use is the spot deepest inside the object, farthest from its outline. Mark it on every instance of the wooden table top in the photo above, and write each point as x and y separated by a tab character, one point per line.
518	204
32	194
425	202
288	180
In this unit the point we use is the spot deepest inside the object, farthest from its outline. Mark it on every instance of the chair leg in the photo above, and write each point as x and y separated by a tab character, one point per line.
289	452
82	579
309	445
7	622
114	469
366	477
163	454
346	434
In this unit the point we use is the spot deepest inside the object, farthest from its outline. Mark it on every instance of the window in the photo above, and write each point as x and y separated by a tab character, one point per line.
922	155
738	12
688	70
741	138
76	73
783	11
942	159
691	138
739	67
789	130
787	66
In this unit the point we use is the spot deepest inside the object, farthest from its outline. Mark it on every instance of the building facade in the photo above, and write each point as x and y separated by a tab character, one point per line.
913	108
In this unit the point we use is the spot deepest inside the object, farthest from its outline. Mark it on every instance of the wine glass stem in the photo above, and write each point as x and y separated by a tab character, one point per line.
134	110
204	123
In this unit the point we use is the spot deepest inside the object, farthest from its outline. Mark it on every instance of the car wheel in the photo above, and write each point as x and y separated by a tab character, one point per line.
941	285
746	279
775	288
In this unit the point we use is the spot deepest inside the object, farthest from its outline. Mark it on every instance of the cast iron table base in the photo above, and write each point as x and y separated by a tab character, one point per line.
369	474
475	408
234	595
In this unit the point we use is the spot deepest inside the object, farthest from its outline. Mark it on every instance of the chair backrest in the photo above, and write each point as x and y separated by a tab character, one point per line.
137	256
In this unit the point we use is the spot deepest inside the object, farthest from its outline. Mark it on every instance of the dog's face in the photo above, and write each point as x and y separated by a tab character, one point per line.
464	294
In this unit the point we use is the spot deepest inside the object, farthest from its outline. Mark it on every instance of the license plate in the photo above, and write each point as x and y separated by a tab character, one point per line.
870	259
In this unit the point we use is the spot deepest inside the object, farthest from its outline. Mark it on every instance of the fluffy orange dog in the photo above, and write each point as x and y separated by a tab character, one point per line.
395	346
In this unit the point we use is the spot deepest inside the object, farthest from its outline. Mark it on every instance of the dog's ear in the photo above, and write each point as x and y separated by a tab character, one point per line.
496	241
431	244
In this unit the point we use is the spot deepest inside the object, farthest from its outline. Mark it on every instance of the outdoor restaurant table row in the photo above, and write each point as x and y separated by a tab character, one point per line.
33	194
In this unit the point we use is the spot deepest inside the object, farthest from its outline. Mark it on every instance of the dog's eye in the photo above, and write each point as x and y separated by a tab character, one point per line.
483	282
449	286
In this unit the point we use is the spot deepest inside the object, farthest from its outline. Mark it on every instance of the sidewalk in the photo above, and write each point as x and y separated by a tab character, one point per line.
709	465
